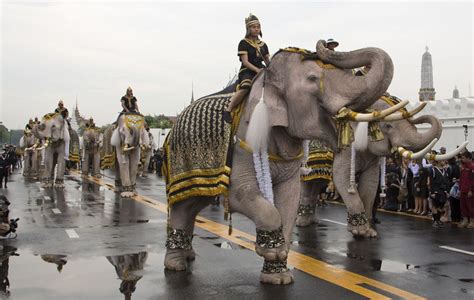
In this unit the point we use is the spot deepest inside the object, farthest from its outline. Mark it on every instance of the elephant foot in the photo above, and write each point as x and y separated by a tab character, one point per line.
306	215
271	244
359	225
176	259
144	175
46	185
178	250
190	255
276	273
127	194
59	185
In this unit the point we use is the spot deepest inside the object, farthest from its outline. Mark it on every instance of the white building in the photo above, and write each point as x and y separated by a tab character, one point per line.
457	118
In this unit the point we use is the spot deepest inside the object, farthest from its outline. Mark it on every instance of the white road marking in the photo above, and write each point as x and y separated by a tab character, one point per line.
56	211
457	250
47	198
72	234
335	222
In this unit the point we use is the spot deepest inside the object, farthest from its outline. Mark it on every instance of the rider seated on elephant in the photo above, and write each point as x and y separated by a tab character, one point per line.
129	105
252	53
129	102
90	123
65	114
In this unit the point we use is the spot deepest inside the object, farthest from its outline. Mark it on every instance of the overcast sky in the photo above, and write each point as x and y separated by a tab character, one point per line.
94	50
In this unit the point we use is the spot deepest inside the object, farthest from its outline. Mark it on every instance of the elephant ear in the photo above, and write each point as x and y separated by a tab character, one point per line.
277	108
274	78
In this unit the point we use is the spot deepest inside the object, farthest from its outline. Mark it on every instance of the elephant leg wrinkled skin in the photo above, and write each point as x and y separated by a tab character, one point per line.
48	173
61	165
127	168
310	191
96	165
368	182
287	194
182	218
354	205
246	198
85	164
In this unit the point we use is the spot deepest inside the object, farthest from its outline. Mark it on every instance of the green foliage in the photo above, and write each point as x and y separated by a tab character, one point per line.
160	121
10	136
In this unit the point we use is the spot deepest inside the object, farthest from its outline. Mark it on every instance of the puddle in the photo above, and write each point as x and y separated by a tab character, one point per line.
224	245
391	266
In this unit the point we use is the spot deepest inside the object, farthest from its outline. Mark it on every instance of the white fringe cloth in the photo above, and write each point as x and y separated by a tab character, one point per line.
352	181
382	176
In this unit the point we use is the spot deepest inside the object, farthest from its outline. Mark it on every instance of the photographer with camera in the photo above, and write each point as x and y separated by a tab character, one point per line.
7	227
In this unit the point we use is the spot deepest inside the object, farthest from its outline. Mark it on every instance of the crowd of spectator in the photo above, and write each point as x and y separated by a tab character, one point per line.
442	189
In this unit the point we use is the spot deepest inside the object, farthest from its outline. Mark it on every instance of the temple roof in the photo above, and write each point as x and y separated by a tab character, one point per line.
449	108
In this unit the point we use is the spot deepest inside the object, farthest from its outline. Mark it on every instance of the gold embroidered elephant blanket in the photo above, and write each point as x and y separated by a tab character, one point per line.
320	161
197	156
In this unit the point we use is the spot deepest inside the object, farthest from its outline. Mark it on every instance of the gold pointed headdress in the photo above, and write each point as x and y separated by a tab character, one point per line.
249	21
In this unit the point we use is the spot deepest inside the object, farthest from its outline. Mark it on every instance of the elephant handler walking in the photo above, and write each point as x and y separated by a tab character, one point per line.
466	184
252	53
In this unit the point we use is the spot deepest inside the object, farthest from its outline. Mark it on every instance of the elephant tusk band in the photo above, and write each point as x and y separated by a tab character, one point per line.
447	155
376	115
404	115
416	155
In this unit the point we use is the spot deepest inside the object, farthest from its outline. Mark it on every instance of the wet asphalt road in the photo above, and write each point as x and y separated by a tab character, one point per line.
86	243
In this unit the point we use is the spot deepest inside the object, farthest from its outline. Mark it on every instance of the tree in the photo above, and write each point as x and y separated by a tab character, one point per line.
160	121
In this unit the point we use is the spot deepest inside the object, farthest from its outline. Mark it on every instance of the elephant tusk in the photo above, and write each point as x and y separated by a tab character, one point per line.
376	115
416	155
447	155
404	115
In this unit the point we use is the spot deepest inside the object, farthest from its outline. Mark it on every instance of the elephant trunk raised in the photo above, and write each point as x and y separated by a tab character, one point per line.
416	140
360	91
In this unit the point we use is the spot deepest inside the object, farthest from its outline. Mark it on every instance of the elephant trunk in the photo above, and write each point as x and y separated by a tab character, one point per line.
360	91
418	140
36	132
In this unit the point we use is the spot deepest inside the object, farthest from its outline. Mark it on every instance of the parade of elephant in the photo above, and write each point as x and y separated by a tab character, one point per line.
255	158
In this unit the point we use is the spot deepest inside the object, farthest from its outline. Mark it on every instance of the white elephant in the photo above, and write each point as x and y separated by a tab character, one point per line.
129	130
52	130
145	155
93	141
28	143
294	99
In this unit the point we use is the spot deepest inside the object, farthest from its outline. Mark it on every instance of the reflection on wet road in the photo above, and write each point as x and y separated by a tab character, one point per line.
85	242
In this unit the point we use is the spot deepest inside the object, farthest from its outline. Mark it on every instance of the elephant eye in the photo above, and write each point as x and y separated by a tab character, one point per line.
388	125
312	78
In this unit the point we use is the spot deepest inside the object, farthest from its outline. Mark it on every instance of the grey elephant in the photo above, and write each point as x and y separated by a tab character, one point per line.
52	130
93	141
28	143
145	155
255	160
129	269
399	132
129	130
